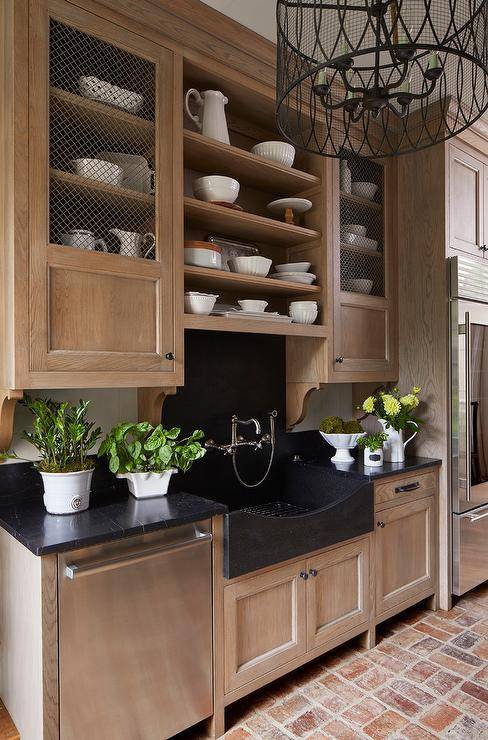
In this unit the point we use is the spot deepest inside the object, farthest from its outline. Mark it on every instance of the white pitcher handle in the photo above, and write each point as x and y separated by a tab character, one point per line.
413	435
192	93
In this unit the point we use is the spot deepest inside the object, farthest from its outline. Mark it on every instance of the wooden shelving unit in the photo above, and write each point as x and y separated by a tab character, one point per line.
253	326
207	155
208	279
249	226
110	193
104	118
364	202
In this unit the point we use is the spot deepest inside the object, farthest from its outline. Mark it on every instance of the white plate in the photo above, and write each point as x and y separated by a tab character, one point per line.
358	285
294	267
307	278
297	205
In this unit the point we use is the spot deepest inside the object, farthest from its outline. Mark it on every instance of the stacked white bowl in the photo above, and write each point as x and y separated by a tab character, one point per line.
304	312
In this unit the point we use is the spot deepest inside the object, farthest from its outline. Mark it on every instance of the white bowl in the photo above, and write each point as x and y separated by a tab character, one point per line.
200	303
255	265
305	278
342	443
216	188
294	267
99	169
199	257
364	189
253	306
358	285
304	304
359	241
303	315
276	151
354	229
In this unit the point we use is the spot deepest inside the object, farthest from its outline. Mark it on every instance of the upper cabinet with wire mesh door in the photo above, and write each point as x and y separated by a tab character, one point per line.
362	266
101	145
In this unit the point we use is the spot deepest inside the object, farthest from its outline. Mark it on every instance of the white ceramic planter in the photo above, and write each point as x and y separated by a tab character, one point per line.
148	485
395	446
67	493
373	459
342	443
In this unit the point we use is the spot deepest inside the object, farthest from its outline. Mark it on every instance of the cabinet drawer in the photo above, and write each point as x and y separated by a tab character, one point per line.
401	489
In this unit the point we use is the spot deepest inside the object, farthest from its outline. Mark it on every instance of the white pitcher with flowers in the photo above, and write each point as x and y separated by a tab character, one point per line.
394	413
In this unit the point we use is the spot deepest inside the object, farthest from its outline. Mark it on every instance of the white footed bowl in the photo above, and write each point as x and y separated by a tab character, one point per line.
276	151
216	187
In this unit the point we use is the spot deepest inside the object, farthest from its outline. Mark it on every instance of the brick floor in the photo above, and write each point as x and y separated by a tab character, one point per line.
427	678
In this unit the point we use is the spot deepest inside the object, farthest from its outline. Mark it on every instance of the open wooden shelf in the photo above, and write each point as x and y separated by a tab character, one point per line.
210	156
109	193
364	202
249	226
105	119
253	326
204	277
364	251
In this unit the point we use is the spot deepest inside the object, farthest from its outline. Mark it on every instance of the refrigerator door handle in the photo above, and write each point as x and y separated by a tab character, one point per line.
467	366
473	517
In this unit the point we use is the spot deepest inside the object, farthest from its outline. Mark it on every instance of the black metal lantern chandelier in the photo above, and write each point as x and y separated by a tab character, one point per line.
380	77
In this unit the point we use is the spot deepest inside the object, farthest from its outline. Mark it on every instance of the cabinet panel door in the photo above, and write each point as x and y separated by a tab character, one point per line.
466	195
337	592
264	624
405	553
105	207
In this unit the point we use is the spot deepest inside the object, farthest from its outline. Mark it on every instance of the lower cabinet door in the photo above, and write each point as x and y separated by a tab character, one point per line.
405	553
264	623
337	592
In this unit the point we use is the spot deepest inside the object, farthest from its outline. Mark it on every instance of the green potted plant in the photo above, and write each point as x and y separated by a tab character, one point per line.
395	414
343	435
147	456
63	438
372	445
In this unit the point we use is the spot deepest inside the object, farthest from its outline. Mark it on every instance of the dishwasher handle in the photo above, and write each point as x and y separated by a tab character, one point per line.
73	570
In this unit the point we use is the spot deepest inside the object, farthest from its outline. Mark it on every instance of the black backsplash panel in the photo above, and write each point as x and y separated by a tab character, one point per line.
228	373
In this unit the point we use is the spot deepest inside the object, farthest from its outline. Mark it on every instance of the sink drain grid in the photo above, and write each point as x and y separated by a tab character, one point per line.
278	509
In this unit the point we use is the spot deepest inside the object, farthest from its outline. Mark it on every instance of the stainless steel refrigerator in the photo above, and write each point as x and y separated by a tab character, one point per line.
469	421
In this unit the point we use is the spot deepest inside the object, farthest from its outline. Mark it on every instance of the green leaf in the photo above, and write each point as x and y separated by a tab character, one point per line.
114	464
165	454
173	433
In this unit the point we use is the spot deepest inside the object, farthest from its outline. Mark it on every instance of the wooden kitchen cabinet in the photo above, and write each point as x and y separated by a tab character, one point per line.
467	185
264	623
405	553
104	314
338	594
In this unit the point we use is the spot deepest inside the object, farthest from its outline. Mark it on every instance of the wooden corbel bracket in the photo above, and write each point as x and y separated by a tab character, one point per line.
297	398
150	403
8	400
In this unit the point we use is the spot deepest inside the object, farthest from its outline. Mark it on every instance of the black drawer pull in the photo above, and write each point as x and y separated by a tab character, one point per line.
407	488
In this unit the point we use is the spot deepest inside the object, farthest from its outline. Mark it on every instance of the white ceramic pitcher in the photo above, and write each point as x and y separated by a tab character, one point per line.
394	447
212	123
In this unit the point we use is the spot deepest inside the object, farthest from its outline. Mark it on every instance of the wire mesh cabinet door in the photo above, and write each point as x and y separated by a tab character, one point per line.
104	203
365	264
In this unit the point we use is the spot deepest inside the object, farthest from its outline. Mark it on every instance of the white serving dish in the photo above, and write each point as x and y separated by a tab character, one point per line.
303	315
216	188
199	303
297	205
364	189
355	229
342	443
198	257
99	169
306	278
96	89
276	151
294	267
252	306
256	265
359	241
358	285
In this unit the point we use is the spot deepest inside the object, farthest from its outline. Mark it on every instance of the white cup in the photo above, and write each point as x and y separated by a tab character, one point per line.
133	244
253	306
82	239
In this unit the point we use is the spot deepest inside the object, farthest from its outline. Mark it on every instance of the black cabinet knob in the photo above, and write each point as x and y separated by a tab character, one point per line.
340	360
381	524
169	356
304	575
313	572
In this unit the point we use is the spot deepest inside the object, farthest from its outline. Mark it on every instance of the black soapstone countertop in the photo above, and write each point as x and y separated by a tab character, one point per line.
359	471
113	514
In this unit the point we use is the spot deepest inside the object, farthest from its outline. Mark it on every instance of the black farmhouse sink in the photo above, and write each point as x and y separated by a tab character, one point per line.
312	509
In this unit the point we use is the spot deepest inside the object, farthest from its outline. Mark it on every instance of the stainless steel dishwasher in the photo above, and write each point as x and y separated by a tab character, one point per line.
135	636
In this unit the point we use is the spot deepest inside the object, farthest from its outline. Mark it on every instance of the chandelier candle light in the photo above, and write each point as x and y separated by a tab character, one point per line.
379	77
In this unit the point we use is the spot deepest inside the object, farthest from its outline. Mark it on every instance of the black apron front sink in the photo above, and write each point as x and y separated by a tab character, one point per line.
315	508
